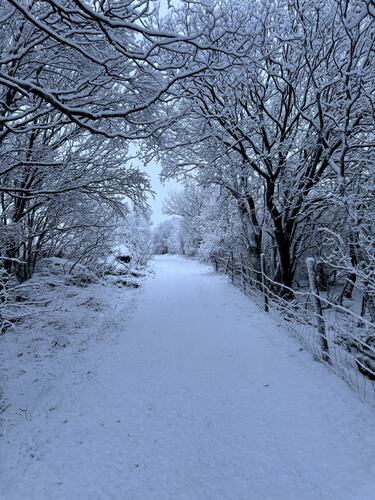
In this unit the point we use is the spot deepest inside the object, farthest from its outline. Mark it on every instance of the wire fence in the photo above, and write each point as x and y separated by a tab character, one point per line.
334	334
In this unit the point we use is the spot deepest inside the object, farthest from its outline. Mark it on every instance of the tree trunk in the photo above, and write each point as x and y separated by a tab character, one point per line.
252	230
283	243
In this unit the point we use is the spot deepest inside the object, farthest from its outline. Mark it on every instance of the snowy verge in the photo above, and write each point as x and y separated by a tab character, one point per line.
71	316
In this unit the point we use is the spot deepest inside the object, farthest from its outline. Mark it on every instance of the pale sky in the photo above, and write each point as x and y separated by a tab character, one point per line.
161	191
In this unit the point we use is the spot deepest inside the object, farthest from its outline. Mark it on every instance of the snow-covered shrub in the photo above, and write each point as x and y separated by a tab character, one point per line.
134	248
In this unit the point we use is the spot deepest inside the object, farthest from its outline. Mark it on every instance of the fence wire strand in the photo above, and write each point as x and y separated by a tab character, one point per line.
349	338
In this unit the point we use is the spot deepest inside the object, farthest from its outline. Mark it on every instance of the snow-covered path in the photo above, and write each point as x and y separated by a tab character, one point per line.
201	398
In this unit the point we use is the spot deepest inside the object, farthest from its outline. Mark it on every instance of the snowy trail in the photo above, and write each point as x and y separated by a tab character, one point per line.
202	398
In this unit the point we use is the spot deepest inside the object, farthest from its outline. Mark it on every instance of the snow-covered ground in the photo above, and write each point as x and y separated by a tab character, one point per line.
197	396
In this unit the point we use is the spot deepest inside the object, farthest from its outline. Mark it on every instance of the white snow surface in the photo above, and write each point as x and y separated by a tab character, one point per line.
197	396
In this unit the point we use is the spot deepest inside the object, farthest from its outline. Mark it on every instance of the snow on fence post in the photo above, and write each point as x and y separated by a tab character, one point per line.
319	319
262	276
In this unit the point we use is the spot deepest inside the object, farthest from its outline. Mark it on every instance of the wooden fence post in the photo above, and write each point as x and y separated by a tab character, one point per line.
319	319
243	276
262	276
226	268
232	266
